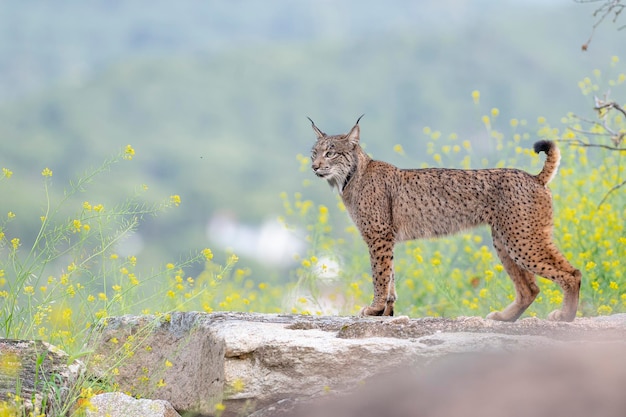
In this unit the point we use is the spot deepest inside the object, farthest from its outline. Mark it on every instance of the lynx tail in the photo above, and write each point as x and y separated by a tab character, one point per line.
552	161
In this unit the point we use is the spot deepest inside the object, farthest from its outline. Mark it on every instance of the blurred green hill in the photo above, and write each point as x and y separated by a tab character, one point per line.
214	96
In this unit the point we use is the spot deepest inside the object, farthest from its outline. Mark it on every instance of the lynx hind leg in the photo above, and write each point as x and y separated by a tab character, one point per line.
555	267
381	258
541	257
526	288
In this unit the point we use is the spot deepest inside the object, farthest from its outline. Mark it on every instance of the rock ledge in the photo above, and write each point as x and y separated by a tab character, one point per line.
249	362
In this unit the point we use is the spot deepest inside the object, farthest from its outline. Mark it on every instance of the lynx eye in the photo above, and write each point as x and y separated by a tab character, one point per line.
330	154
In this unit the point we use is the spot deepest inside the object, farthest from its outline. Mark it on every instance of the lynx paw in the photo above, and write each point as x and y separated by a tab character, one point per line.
495	315
558	315
501	316
371	311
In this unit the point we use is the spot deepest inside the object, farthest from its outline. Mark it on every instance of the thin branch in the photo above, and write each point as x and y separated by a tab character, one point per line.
609	7
611	105
615	188
578	142
586	132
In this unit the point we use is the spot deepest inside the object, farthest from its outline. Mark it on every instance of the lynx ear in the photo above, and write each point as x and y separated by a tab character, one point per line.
355	133
318	132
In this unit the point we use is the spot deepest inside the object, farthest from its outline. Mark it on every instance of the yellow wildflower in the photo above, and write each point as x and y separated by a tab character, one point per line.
129	152
207	254
476	96
175	200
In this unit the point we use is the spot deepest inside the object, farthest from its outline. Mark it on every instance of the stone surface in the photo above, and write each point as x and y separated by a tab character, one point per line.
574	381
250	362
116	404
35	376
177	359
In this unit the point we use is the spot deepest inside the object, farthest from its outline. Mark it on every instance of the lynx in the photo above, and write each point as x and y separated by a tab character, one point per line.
390	205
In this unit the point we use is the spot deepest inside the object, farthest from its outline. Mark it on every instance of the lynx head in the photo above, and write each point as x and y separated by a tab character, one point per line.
334	158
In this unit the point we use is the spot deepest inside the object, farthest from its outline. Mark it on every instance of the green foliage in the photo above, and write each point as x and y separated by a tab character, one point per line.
70	276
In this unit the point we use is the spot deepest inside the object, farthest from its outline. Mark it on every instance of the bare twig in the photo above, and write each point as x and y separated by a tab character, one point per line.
611	105
602	128
586	132
578	142
615	188
614	7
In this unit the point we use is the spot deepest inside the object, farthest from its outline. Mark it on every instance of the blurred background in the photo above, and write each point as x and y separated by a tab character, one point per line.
214	95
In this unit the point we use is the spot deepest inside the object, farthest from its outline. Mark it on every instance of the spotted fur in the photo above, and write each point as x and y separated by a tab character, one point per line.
390	205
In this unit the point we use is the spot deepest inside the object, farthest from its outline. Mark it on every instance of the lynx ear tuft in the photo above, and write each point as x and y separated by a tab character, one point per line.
355	133
318	132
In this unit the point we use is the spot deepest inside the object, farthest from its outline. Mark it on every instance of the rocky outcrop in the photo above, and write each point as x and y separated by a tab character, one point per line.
116	404
35	377
248	363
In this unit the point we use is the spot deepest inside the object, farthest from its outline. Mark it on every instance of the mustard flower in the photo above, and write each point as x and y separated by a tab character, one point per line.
207	254
47	172
238	385
175	200
476	96
133	279
129	152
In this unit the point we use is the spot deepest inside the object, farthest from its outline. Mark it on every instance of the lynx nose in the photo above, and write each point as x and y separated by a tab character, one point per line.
315	166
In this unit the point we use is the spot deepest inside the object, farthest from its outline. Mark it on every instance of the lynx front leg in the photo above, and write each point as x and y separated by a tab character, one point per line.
381	258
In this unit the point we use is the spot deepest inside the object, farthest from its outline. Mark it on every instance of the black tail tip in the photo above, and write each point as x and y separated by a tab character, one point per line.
543	146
